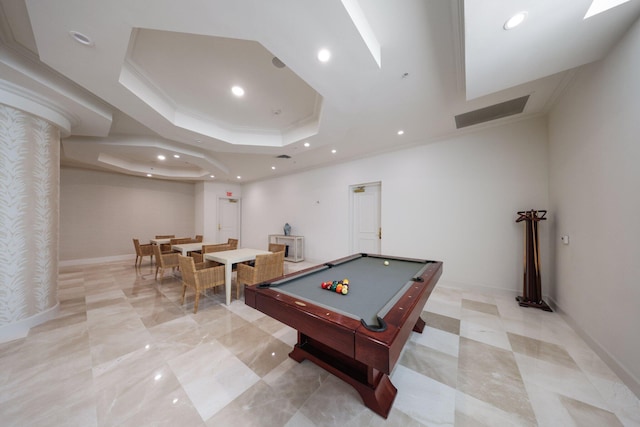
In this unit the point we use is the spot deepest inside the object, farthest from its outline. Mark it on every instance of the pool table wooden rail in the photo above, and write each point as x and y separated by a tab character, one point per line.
381	350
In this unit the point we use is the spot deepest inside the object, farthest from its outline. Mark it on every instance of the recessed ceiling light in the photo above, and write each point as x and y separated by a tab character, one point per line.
177	156
515	20
81	38
237	91
149	175
212	176
161	157
324	55
306	144
400	132
273	168
334	151
239	177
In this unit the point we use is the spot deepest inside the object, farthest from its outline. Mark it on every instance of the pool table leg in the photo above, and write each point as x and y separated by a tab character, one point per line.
419	326
375	387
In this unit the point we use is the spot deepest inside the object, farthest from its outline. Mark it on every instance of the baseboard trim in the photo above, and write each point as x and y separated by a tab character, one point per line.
467	286
625	376
20	329
87	261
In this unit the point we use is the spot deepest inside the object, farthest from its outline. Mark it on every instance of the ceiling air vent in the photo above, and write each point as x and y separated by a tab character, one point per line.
492	112
283	156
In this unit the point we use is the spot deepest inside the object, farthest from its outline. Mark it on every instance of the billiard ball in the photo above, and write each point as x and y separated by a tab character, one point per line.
339	288
345	281
345	290
386	263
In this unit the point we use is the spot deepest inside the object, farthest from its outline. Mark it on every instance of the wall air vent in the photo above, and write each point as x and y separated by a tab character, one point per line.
492	112
283	156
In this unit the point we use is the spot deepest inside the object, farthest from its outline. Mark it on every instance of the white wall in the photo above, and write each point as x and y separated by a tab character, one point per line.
595	190
101	212
454	200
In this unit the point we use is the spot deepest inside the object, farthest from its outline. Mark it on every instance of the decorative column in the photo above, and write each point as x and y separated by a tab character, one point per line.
29	218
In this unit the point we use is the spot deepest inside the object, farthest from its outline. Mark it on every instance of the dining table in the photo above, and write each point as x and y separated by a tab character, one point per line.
228	258
185	248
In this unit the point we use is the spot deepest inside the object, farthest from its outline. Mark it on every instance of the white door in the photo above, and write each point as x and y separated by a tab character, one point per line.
366	229
228	219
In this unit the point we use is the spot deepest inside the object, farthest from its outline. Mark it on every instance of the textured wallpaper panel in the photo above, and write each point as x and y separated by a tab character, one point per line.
29	193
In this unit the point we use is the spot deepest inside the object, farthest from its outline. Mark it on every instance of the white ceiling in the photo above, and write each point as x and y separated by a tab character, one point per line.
157	78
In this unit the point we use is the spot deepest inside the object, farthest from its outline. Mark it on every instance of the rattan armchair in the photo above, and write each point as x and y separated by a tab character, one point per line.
277	247
142	251
181	241
164	261
233	243
165	247
199	257
266	267
273	247
200	277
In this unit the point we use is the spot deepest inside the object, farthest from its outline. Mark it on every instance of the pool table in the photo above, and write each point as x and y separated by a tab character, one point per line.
358	336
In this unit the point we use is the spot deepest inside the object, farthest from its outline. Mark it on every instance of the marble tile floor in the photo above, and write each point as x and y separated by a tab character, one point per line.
124	352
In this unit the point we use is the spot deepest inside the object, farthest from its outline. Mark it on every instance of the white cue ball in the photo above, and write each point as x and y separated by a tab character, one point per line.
386	263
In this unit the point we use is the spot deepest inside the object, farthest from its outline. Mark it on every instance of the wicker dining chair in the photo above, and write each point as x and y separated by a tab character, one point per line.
181	241
198	238
277	247
273	247
142	250
164	261
200	277
233	243
267	267
165	247
199	257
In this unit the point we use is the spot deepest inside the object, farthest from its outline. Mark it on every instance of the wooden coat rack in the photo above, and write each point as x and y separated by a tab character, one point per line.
532	289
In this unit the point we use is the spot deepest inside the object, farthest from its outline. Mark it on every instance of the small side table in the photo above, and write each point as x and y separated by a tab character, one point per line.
295	246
